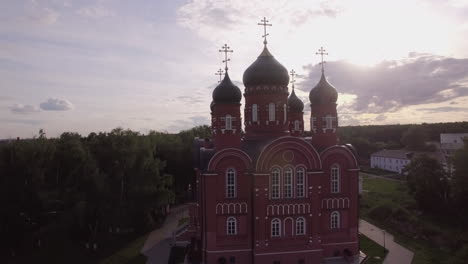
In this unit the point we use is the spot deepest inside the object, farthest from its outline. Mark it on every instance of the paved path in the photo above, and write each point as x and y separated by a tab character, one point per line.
157	245
396	253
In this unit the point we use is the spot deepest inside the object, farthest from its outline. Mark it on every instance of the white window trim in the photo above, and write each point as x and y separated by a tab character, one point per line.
233	185
230	220
278	222
271	112
254	113
335	215
278	185
303	226
335	178
298	185
228	122
297	125
290	185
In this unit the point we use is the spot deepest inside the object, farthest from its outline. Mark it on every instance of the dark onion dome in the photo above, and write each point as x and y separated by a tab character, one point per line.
212	106
295	104
226	92
266	70
323	92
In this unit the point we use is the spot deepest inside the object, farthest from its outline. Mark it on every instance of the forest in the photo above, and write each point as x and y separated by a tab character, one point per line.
89	191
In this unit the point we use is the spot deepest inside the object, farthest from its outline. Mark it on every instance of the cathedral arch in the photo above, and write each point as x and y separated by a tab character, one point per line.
229	153
343	151
284	143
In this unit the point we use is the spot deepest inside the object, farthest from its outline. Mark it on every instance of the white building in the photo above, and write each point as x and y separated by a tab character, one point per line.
391	159
449	143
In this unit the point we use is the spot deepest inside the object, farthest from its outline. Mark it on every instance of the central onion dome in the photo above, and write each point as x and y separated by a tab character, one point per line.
323	93
226	92
294	103
266	70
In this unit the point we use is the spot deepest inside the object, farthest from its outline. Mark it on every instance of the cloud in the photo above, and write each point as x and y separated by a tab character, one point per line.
393	85
444	109
95	12
24	109
45	16
190	99
190	122
56	104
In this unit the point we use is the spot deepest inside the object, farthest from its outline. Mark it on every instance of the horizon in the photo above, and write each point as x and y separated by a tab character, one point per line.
92	66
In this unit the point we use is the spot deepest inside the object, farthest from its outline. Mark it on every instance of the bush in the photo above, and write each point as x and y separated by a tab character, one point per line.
401	215
381	213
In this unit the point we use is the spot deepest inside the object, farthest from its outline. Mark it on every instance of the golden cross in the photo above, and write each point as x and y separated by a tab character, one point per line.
264	24
225	49
220	73
293	73
321	53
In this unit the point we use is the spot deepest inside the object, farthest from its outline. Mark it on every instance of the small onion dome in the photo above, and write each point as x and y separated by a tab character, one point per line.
294	103
226	92
323	93
266	70
212	106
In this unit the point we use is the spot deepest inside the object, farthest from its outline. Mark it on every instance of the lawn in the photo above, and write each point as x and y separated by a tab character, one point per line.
129	254
375	252
387	204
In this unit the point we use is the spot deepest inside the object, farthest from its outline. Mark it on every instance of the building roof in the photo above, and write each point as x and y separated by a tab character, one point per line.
266	70
407	154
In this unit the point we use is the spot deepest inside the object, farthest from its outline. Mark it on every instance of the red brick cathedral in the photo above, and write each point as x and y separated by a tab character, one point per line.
271	195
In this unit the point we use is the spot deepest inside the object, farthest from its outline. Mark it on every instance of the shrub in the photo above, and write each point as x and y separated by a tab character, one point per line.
381	213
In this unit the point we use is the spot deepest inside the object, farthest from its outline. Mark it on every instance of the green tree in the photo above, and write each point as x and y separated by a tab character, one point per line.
415	138
428	183
460	178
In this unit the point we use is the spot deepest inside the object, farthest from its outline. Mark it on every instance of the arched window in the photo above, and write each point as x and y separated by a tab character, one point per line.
230	183
275	183
271	112
300	226
254	113
335	220
288	183
231	226
297	125
300	182
335	178
228	121
275	227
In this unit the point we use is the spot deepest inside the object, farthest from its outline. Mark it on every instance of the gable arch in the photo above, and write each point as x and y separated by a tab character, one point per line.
343	151
231	153
285	143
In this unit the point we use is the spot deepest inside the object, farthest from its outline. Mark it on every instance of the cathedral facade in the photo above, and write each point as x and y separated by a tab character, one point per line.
271	195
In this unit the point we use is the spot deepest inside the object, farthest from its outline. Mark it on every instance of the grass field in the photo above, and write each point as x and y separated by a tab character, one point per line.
387	204
375	252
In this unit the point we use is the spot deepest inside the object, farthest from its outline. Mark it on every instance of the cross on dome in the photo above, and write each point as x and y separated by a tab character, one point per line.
220	73
293	74
322	52
226	49
264	24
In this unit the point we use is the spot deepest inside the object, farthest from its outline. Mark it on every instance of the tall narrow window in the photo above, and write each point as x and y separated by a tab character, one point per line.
285	112
271	112
275	184
254	113
230	183
300	182
297	125
314	122
231	226
328	122
300	226
335	179
335	220
288	183
275	227
228	120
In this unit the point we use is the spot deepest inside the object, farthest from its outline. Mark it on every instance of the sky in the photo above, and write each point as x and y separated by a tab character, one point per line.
90	66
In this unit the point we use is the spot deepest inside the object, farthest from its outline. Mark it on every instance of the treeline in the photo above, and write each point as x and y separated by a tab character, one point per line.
87	187
369	139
